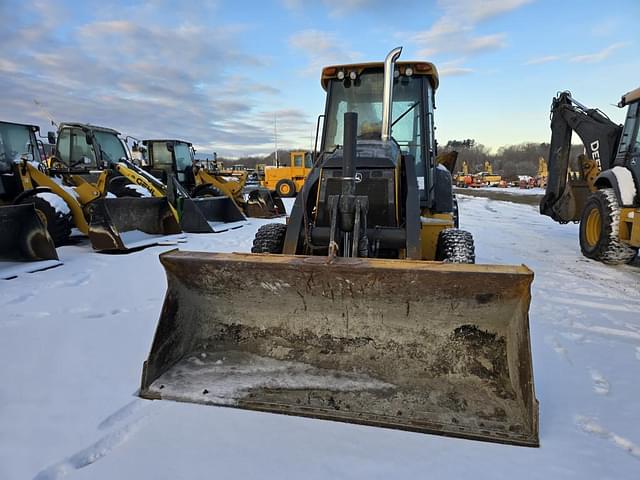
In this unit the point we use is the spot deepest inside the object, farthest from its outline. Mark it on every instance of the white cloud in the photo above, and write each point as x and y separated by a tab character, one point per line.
454	31
142	78
454	68
337	7
545	59
598	56
322	49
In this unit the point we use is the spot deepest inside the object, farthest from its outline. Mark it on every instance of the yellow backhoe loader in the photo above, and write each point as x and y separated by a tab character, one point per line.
603	196
366	307
164	158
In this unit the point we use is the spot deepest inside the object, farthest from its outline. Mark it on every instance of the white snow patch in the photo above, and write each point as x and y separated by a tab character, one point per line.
274	287
225	377
12	269
56	201
626	185
137	188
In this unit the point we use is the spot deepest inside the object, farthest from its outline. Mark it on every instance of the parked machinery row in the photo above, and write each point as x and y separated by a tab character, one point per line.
89	183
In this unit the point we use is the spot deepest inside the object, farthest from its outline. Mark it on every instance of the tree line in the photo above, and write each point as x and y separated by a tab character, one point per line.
508	161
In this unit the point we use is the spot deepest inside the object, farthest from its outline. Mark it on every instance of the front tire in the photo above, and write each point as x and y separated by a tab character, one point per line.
455	246
269	238
600	229
286	188
54	213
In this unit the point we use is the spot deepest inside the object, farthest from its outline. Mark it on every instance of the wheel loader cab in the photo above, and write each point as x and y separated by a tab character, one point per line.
171	156
17	142
82	147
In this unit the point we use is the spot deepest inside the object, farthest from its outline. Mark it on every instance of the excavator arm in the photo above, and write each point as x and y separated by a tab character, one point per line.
565	197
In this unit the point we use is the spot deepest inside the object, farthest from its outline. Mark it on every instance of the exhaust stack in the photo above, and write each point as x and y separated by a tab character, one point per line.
387	99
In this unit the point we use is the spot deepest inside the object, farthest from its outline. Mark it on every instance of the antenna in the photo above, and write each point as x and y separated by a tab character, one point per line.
47	113
275	135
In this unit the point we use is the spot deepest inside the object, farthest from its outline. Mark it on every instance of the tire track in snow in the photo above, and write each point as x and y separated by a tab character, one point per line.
590	426
104	445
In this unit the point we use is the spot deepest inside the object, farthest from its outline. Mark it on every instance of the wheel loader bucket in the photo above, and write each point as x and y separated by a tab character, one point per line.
25	243
210	215
129	223
422	346
261	203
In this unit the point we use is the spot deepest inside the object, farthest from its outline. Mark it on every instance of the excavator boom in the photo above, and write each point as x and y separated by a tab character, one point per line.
565	197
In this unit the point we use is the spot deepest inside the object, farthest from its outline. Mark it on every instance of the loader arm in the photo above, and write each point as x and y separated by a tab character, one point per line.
231	189
43	180
564	198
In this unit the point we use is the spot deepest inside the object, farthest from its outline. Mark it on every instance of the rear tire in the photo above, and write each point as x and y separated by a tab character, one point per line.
269	238
455	246
58	222
286	188
599	229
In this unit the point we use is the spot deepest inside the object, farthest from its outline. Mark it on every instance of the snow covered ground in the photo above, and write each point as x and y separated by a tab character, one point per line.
73	339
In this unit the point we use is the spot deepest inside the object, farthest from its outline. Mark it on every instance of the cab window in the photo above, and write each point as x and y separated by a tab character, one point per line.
162	156
82	153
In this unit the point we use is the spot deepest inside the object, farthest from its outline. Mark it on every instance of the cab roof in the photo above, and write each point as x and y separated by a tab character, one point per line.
88	126
427	69
155	140
35	128
630	97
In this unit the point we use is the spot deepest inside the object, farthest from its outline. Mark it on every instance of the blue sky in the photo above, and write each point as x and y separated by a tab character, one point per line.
219	72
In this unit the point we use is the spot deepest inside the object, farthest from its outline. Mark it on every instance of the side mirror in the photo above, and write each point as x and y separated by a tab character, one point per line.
51	137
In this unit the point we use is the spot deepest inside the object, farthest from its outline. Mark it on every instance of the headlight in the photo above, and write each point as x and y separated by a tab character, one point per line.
408	71
353	75
340	75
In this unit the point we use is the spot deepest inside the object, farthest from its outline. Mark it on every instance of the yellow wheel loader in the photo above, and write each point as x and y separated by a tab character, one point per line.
196	215
287	180
72	190
25	244
167	157
366	307
603	196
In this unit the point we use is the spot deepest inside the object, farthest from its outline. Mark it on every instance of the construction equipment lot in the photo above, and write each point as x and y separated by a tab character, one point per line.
73	338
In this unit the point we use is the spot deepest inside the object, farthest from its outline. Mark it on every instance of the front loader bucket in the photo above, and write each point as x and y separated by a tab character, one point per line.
261	203
422	346
25	243
128	223
210	215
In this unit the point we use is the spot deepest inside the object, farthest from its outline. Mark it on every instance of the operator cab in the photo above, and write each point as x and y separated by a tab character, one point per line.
17	142
83	147
359	88
165	157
